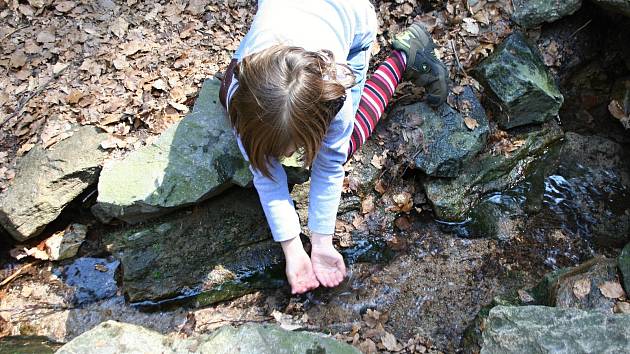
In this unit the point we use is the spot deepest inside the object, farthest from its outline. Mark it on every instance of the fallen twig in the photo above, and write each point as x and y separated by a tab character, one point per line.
12	32
25	267
40	89
459	64
581	28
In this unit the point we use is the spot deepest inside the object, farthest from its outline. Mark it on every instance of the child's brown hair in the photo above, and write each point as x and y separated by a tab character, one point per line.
286	99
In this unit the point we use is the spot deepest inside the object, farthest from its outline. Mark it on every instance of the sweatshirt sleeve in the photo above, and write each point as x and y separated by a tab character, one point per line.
327	172
276	200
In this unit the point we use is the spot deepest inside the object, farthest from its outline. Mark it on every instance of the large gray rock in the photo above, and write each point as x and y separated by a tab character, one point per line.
116	337
532	13
452	198
619	6
48	179
220	250
522	90
539	329
194	159
624	267
442	142
559	288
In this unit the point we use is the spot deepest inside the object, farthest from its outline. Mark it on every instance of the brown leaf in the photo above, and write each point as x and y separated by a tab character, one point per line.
389	342
378	161
471	123
367	205
524	296
379	187
616	110
404	201
74	96
65	6
622	307
17	59
45	37
403	223
581	288
611	289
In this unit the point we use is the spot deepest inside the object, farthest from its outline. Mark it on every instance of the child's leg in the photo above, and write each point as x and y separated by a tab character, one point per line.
377	92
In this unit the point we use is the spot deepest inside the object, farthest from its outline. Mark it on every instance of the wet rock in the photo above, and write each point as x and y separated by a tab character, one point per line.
442	141
194	159
27	345
220	250
578	287
452	198
48	179
617	6
529	13
497	217
523	92
92	278
116	337
593	178
624	267
539	329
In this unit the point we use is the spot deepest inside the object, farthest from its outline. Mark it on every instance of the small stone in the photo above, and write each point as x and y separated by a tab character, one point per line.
65	244
523	92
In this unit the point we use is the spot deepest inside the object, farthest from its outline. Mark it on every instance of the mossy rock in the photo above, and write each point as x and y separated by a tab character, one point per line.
522	90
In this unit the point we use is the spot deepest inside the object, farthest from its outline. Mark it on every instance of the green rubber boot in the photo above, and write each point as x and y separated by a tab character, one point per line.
423	67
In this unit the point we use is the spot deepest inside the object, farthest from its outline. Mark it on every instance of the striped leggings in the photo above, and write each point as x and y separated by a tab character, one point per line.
377	93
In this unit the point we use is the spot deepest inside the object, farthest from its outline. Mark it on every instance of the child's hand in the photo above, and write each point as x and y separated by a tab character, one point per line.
299	269
328	264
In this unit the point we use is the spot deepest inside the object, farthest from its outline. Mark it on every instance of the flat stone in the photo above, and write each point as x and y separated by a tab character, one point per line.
48	179
624	267
452	198
116	337
521	88
442	142
220	250
532	13
193	160
540	329
617	6
92	278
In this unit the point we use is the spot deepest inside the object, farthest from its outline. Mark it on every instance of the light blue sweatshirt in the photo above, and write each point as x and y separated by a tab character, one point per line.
345	27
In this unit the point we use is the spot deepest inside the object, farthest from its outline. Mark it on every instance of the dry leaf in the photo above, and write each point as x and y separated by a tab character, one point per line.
389	342
525	296
616	110
581	288
65	6
403	223
379	187
611	290
17	59
622	307
367	205
404	201
378	161
471	123
45	37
